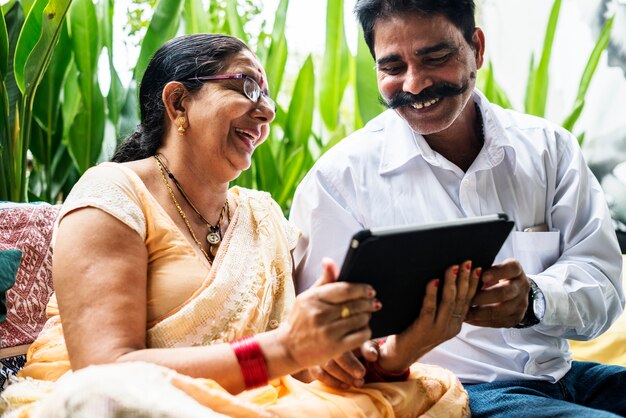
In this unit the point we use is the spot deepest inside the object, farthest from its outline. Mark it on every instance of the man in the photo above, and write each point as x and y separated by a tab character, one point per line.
442	152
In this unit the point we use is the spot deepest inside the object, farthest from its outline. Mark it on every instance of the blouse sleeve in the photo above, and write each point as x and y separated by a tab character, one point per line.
108	188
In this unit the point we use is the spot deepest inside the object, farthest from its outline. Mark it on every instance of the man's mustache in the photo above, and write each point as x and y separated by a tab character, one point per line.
437	91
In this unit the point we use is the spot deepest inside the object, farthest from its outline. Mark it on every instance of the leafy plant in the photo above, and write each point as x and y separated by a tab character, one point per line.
539	76
74	125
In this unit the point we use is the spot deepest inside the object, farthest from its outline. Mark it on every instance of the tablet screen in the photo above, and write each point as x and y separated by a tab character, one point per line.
399	261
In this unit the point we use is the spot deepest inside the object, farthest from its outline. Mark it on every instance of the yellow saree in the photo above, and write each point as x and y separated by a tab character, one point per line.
248	290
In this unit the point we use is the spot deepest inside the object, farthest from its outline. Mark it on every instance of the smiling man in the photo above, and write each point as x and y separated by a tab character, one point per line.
443	152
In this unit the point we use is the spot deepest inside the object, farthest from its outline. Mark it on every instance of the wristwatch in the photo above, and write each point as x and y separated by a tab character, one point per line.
536	307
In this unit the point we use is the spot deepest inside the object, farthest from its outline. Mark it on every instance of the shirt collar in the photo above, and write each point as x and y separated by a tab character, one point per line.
401	144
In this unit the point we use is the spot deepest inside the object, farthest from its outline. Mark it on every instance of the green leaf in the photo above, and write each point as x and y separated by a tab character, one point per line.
541	78
366	91
14	21
196	18
5	7
571	119
235	24
300	114
334	76
278	32
36	42
87	130
47	103
275	66
267	175
491	89
590	69
71	98
162	28
4	47
294	172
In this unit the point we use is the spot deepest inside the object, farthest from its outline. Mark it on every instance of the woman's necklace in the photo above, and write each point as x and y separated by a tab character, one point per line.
214	237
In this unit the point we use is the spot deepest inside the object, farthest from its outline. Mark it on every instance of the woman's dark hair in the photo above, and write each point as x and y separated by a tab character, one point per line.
459	12
181	59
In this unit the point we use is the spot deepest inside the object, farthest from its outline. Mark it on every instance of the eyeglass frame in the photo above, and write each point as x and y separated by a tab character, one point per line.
246	79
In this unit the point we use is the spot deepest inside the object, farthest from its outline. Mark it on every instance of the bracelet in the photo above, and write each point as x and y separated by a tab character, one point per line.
375	373
251	362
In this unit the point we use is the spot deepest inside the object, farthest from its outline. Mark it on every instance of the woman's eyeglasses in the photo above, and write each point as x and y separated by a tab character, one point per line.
251	88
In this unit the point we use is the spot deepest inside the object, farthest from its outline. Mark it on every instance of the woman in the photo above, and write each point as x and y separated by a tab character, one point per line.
176	324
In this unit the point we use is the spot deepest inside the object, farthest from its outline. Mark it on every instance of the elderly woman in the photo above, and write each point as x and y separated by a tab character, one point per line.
177	291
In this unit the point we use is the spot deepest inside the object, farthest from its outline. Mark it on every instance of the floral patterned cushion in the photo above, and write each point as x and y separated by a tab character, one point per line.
27	227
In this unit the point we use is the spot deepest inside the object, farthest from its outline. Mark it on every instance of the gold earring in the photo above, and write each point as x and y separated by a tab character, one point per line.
181	123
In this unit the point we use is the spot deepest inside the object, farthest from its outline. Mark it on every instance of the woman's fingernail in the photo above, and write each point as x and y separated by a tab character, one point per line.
479	271
377	305
436	283
455	270
468	265
371	292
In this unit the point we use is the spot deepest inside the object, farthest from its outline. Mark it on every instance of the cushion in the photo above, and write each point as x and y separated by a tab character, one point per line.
9	263
608	348
28	228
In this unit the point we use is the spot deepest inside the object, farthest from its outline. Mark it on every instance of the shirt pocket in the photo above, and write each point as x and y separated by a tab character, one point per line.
536	251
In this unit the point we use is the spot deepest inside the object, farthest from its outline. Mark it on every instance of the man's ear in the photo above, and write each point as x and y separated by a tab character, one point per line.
174	97
478	43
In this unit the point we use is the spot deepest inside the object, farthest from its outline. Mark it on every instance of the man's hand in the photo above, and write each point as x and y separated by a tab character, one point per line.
346	370
503	299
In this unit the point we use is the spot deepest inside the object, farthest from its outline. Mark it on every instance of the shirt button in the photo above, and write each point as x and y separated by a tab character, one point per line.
273	323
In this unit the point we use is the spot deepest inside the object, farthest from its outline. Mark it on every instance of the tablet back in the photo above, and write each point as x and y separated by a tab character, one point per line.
399	262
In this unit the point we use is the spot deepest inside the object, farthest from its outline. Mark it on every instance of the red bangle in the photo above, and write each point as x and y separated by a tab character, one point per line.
251	362
375	373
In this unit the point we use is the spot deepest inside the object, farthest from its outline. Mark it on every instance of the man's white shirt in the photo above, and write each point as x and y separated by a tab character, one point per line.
528	168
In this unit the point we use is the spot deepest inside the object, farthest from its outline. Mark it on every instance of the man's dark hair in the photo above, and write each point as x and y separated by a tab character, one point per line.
182	59
459	12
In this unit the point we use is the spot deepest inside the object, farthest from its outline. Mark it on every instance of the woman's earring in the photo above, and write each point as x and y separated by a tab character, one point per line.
181	124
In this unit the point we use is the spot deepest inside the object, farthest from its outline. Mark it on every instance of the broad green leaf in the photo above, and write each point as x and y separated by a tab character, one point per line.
72	98
278	32
235	24
491	89
47	103
162	28
85	43
87	132
5	7
115	99
571	119
366	90
4	47
267	175
196	18
36	42
335	64
539	87
294	172
275	66
590	69
300	115
14	21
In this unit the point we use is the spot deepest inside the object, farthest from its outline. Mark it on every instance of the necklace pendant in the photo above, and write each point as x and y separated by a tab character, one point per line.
213	238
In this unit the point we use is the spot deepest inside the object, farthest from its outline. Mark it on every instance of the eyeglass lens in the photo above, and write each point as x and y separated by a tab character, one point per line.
253	91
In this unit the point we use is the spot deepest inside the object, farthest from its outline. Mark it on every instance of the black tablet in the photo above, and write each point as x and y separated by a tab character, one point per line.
399	261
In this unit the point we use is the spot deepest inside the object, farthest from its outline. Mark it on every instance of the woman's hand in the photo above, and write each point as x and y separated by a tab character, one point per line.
436	322
328	319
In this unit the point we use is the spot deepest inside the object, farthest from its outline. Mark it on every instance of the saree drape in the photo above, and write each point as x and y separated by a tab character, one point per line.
248	290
